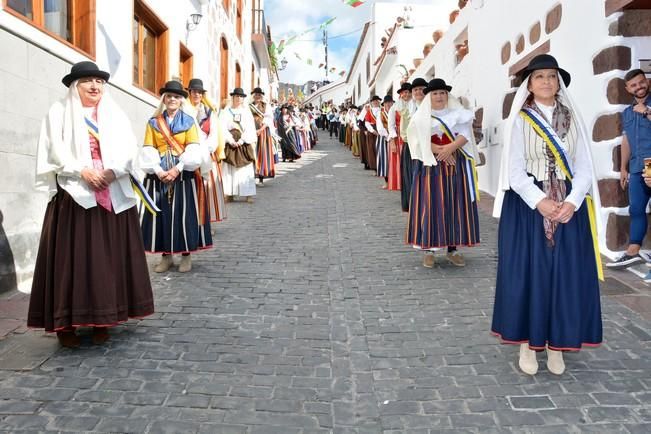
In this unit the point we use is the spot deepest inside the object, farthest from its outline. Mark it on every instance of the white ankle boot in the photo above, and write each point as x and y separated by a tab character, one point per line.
165	263
528	363
186	264
555	362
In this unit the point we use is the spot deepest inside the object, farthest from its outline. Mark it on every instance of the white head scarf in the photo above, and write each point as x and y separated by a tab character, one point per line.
419	131
64	148
518	101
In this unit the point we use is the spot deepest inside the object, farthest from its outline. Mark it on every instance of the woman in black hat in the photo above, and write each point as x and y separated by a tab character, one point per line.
288	144
90	268
381	145
547	291
212	138
239	131
443	208
172	157
396	142
265	166
407	110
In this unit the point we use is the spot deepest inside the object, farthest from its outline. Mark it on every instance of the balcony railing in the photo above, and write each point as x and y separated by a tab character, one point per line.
259	23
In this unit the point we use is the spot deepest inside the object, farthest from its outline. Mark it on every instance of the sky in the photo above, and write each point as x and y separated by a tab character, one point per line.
287	17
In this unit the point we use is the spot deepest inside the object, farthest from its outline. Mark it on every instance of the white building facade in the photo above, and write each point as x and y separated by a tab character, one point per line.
142	43
502	37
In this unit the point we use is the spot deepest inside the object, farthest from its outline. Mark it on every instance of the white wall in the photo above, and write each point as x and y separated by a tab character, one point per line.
32	66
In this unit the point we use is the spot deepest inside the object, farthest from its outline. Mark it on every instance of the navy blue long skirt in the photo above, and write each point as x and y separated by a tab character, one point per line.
546	295
177	228
406	174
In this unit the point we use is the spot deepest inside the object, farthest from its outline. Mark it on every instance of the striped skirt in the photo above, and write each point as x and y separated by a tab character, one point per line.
183	225
441	211
264	161
369	148
382	157
394	166
215	192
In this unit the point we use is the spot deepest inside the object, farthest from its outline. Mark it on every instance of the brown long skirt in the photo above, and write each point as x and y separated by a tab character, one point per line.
90	269
371	153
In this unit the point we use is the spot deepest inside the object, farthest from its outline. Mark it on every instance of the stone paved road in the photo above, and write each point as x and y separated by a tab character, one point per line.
311	316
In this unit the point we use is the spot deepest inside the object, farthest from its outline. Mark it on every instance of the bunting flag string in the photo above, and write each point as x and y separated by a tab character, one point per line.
285	42
354	3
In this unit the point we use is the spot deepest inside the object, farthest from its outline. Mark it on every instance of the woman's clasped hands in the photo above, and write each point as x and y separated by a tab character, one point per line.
560	212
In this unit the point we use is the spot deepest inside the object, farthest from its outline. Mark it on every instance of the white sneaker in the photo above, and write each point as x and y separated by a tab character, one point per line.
528	363
555	362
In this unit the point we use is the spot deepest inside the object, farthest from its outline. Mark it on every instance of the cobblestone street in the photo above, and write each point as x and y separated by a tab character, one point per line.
311	315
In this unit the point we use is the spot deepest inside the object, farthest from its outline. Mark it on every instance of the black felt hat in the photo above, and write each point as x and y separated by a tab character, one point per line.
546	61
82	70
418	82
387	98
238	91
375	98
175	87
437	84
196	84
403	87
258	90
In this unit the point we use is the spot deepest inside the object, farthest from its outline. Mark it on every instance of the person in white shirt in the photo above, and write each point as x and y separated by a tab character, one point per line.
547	290
240	135
90	267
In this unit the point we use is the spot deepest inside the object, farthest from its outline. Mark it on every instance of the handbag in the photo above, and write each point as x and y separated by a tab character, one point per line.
238	156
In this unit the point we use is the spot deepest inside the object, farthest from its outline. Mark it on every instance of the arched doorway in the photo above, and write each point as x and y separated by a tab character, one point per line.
223	69
238	75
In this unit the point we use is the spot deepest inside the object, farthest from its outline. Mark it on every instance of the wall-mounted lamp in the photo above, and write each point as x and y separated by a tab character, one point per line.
283	64
193	21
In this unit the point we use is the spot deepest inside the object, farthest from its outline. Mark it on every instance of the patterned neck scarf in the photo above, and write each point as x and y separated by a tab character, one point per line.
553	187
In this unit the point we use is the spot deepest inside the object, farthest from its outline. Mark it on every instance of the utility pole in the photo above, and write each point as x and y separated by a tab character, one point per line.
325	45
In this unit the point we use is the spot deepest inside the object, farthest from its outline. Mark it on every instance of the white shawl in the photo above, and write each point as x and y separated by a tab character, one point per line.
420	129
63	150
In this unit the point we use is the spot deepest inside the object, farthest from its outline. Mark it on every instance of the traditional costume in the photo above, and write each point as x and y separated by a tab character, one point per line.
381	145
407	110
395	180
443	208
370	123
238	181
547	290
183	225
287	135
90	267
264	125
206	115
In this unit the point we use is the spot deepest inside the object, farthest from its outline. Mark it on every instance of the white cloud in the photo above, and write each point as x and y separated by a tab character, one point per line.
287	17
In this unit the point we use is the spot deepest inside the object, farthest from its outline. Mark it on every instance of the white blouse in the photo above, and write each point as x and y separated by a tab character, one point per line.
528	156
